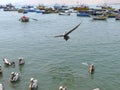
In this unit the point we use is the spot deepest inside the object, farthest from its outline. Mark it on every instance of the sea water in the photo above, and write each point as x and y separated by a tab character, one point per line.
54	61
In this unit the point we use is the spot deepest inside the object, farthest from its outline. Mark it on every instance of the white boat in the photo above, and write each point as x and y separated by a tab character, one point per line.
64	13
14	77
33	84
1	86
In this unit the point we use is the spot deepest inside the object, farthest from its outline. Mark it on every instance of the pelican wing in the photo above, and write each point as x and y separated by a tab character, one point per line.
73	29
59	36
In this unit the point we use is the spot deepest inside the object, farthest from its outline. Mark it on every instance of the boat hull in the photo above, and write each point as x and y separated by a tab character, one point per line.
117	17
99	18
24	20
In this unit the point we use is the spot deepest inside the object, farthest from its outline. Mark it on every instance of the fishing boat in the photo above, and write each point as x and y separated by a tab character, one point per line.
24	19
25	11
20	10
38	11
14	77
101	17
10	7
64	13
117	17
111	14
81	7
83	14
33	84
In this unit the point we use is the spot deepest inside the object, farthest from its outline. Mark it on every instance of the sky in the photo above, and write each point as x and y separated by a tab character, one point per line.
66	2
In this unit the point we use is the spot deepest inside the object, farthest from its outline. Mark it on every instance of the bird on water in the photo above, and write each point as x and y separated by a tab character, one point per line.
65	36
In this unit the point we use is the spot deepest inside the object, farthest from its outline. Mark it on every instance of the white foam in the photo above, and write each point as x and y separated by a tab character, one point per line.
96	89
85	63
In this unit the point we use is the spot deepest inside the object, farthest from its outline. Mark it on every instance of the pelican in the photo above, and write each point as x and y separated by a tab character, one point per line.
6	62
66	37
14	77
33	84
21	61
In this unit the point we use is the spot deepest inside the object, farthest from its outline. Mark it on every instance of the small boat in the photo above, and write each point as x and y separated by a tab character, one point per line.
38	11
33	84
101	17
14	77
46	12
81	7
21	61
20	10
25	11
83	14
64	13
31	9
111	14
1	86
117	17
24	19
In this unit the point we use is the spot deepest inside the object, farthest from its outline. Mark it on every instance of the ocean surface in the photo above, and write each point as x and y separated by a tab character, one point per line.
55	62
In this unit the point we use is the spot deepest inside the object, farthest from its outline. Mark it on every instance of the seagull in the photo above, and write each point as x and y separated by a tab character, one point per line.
65	35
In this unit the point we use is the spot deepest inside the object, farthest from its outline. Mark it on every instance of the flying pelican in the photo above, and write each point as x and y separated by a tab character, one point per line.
66	37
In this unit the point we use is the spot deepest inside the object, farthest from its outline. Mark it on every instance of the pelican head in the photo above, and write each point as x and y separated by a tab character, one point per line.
62	88
31	79
12	73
